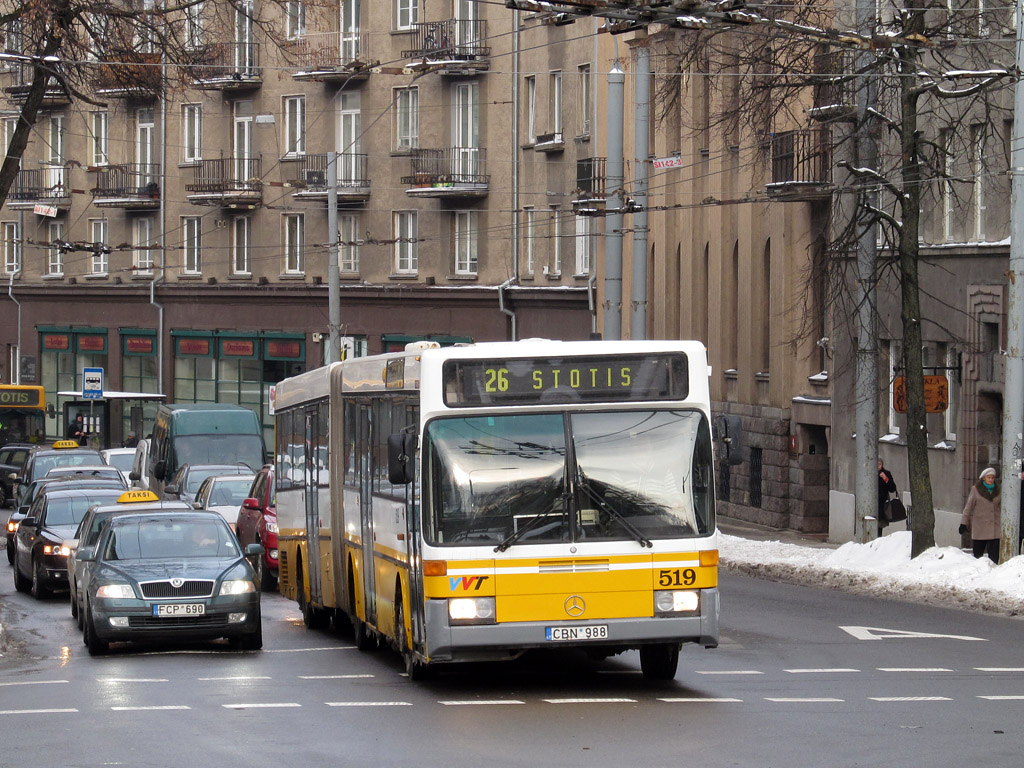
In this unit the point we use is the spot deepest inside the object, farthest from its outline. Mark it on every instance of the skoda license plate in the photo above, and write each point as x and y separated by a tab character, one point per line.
179	609
585	632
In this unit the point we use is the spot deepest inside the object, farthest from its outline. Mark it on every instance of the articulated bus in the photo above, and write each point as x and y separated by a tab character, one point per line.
475	502
22	414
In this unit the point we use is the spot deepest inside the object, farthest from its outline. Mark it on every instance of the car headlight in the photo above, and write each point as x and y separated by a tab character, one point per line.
237	587
271	527
471	610
123	591
56	549
676	601
12	526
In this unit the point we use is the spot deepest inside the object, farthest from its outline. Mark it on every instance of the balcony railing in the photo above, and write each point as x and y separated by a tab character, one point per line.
591	178
448	172
332	56
228	66
47	185
18	86
226	181
458	44
310	176
138	77
835	87
549	142
132	185
800	164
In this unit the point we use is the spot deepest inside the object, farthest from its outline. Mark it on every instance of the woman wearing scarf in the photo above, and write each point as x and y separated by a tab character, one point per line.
981	516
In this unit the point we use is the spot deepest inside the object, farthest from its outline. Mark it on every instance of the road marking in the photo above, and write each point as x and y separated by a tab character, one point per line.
804	700
877	633
909	698
914	669
728	672
334	677
819	671
306	650
234	679
268	705
590	701
36	682
699	700
131	680
482	702
369	703
36	711
988	669
149	709
1003	698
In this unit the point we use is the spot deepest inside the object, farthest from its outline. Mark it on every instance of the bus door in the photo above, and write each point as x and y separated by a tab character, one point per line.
311	480
364	449
417	637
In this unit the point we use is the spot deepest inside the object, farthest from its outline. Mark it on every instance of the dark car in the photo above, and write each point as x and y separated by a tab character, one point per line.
257	524
40	557
169	576
12	462
186	481
89	530
41	459
35	488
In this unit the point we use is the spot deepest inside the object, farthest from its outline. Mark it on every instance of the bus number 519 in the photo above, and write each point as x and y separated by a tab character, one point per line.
677	577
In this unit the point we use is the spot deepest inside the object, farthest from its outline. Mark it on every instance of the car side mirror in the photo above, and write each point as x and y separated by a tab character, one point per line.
134	475
401	458
86	555
30	522
254	550
171	490
251	503
71	544
160	470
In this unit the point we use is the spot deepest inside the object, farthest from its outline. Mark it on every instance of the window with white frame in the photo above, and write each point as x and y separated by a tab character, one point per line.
946	186
893	368
555	107
55	153
406	252
556	241
192	132
54	252
978	176
192	245
10	124
951	415
407	118
294	126
584	231
241	234
144	243
294	244
466	242
294	19
348	242
12	248
194	25
407	13
100	246
99	128
583	100
531	109
529	237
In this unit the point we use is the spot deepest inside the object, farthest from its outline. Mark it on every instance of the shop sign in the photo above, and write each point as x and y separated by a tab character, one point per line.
237	347
139	345
56	341
193	346
283	348
92	343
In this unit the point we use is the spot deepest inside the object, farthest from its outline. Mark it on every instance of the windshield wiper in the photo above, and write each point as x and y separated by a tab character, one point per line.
513	537
583	483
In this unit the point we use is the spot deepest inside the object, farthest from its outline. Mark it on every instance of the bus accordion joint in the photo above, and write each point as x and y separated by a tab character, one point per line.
435	567
709	557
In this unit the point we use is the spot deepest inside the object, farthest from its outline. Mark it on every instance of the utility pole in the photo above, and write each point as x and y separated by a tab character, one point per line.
613	221
641	143
333	273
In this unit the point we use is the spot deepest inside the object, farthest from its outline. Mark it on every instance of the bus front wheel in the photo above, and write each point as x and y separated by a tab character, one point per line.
659	662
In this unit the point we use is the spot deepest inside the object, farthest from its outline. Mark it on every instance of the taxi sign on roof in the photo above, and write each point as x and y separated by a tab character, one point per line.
66	444
131	497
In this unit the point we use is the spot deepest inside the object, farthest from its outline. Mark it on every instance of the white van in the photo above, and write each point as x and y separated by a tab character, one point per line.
138	477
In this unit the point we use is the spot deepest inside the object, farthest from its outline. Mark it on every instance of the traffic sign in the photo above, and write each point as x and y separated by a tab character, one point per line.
92	383
936	394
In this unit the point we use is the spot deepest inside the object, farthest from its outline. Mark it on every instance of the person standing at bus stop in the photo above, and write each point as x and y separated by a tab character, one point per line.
981	515
886	486
76	430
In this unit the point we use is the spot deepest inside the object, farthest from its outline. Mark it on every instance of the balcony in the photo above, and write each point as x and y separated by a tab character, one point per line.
46	186
333	57
591	176
309	174
448	172
800	166
452	47
139	77
230	182
20	82
835	87
230	66
549	142
133	186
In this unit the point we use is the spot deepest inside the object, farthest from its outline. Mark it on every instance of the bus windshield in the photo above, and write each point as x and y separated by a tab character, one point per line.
568	476
219	449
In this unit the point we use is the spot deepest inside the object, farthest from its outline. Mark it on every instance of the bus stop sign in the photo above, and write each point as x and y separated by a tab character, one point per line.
92	383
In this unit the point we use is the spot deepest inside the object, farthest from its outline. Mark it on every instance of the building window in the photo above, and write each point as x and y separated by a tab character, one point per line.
55	253
98	130
241	232
407	118
294	244
531	109
144	242
349	242
946	186
12	248
583	99
556	241
294	126
10	125
465	242
584	230
978	177
295	19
406	255
529	235
555	107
194	26
407	13
54	171
100	247
952	364
192	245
192	132
893	367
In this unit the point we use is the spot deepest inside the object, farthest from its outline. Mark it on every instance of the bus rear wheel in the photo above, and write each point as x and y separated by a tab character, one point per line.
659	662
313	618
415	669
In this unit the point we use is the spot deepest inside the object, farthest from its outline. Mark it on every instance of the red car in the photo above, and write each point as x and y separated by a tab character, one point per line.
257	524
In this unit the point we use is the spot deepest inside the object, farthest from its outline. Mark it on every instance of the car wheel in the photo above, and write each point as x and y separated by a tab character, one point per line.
74	601
80	615
659	662
10	551
39	589
21	583
96	646
254	640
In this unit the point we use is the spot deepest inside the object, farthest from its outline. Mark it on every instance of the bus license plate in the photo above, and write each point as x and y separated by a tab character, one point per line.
179	609
587	632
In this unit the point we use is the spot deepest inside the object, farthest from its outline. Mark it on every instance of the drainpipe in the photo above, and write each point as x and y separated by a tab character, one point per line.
515	173
16	379
163	229
501	306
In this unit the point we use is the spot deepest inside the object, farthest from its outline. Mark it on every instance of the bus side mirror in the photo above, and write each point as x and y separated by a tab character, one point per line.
401	452
730	435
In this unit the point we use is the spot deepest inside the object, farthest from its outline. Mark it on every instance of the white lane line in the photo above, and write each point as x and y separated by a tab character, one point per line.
480	703
149	709
334	677
234	679
35	711
819	671
131	680
306	650
35	682
368	703
699	700
265	705
913	669
590	701
908	698
999	669
728	672
804	701
1003	698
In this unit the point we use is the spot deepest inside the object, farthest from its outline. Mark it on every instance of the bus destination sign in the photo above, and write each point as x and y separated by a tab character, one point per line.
565	380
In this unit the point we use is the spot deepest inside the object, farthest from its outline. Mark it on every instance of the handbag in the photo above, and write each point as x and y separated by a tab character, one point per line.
895	511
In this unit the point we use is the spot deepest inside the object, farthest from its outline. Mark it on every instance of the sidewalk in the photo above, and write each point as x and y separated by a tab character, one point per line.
755	532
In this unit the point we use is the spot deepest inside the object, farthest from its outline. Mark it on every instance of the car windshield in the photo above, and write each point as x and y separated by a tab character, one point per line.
69	510
212	449
44	464
230	491
122	461
177	539
557	477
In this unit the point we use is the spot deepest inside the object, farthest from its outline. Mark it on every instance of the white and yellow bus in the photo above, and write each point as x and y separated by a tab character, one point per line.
474	502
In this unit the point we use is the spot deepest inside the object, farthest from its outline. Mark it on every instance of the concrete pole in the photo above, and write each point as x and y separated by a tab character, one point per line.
333	273
613	221
1013	397
638	326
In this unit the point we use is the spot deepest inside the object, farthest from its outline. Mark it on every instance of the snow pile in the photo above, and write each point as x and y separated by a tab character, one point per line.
943	576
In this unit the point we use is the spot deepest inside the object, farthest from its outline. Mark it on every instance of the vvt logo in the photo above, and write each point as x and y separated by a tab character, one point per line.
467	582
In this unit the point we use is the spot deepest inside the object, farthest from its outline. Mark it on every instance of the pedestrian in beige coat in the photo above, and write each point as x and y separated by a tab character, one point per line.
981	516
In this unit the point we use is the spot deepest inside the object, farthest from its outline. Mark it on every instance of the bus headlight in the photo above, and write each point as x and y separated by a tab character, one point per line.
670	602
471	610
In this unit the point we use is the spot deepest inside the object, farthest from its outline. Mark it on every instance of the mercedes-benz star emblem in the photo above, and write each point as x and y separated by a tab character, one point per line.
176	583
575	606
